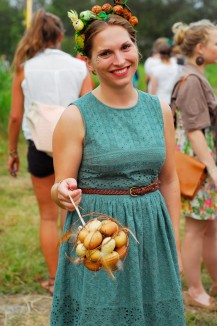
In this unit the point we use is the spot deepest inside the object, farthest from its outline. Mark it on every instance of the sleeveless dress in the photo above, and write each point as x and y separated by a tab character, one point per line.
122	148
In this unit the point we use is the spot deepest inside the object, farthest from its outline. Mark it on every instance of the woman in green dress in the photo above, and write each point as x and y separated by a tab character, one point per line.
109	141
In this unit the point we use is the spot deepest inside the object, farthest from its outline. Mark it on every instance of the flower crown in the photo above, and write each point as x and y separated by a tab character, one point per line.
81	22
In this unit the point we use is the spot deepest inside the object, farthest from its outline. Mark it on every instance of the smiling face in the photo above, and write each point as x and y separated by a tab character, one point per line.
114	56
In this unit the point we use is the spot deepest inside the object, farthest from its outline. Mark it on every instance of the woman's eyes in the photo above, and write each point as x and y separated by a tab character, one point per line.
107	53
126	46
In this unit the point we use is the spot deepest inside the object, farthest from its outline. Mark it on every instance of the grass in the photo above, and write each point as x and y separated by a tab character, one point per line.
21	259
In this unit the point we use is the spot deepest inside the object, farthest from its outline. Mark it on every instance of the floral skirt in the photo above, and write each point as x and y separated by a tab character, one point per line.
204	204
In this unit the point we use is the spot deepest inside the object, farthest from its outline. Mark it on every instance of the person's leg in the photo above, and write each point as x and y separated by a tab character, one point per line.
210	251
192	247
49	235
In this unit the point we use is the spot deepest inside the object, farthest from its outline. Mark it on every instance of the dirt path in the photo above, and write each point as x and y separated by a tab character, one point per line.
28	310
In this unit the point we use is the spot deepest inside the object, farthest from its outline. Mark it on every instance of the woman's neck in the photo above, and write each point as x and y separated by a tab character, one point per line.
192	61
117	98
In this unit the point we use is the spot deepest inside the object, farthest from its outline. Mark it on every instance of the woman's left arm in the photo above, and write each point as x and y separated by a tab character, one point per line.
15	121
169	185
153	83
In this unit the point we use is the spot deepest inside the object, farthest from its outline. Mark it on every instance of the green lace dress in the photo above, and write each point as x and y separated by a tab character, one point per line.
123	148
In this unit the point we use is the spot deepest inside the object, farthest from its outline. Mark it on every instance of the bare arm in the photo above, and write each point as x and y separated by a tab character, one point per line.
168	177
87	85
67	153
153	83
15	120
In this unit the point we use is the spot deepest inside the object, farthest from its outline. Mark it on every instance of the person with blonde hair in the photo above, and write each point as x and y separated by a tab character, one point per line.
114	154
196	135
48	75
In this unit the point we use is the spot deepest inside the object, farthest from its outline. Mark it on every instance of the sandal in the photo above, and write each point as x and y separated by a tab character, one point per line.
49	285
194	303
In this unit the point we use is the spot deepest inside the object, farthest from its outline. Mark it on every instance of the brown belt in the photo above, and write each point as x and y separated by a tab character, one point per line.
133	191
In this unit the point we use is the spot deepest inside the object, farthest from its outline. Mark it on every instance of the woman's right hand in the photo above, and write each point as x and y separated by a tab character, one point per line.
65	188
213	175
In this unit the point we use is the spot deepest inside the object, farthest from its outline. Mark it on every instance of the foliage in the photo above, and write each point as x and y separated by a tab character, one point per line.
5	99
156	18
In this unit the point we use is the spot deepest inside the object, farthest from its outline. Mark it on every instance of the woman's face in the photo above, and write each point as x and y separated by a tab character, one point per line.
210	48
114	56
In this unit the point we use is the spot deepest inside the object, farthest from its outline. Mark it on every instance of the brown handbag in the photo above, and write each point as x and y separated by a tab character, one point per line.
191	174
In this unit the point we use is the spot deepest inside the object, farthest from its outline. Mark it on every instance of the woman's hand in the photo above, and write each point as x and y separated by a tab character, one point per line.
13	163
180	262
213	174
65	188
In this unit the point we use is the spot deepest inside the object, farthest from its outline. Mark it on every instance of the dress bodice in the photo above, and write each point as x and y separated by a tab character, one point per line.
123	147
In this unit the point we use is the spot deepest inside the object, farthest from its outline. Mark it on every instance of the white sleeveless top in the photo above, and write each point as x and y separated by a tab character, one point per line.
166	75
51	77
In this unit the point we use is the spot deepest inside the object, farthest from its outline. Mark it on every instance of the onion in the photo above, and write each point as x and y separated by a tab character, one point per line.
110	259
82	234
81	250
94	255
108	245
120	239
94	225
93	266
108	227
93	240
122	251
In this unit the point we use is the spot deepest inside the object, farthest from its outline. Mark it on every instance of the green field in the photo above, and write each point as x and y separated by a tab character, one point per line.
21	260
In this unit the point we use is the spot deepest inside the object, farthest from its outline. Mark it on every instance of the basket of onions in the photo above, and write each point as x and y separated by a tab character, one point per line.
101	243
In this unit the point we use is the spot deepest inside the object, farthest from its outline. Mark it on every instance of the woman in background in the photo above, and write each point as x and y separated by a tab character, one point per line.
164	75
196	134
48	75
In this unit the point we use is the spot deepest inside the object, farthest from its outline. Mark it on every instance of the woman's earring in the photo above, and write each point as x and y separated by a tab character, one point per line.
199	60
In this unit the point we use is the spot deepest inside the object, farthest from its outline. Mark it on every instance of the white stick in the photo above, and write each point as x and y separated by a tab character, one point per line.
77	210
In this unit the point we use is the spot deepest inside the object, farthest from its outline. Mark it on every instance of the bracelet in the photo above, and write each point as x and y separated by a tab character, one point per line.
213	170
13	154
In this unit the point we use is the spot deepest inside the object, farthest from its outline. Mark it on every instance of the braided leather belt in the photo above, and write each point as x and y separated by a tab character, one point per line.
133	191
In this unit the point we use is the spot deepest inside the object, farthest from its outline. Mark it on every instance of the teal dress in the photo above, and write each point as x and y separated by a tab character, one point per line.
123	148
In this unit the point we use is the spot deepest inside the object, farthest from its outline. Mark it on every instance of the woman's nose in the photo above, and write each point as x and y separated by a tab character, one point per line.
119	58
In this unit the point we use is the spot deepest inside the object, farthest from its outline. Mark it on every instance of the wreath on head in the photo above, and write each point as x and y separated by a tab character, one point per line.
85	18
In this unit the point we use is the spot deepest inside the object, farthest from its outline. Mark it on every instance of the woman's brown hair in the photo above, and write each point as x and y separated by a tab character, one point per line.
44	31
186	37
99	25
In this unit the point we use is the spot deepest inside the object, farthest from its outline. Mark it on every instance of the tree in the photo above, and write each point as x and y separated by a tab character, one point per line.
156	18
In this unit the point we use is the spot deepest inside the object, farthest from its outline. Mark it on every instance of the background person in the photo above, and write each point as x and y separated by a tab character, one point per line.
114	138
46	74
196	135
153	61
164	75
